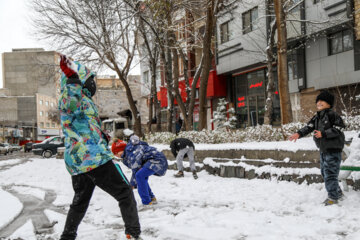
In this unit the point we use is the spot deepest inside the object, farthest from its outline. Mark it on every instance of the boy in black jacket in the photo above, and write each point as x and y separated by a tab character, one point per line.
327	126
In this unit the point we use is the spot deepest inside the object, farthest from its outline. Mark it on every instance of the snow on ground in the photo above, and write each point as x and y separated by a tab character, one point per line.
10	208
10	162
301	144
208	208
30	191
306	143
25	232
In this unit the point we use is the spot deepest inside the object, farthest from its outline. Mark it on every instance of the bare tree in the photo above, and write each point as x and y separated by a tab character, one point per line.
211	13
285	107
152	56
101	33
270	88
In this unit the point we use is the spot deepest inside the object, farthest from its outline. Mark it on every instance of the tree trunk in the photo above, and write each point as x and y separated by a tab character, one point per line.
133	108
179	100
151	99
193	93
166	59
271	83
206	51
285	104
156	103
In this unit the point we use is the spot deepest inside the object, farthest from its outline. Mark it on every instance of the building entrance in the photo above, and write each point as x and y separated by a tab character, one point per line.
256	109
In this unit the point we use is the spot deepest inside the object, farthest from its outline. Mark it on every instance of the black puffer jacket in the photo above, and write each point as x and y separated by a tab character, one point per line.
331	126
180	143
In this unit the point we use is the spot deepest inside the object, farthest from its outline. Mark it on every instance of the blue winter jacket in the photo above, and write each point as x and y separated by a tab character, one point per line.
86	147
142	155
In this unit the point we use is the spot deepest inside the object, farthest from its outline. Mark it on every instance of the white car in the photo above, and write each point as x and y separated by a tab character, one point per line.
3	149
8	147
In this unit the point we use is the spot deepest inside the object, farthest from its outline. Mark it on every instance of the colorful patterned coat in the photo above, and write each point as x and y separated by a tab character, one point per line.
86	147
142	155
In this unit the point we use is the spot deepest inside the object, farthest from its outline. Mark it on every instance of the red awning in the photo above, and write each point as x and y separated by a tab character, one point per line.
216	88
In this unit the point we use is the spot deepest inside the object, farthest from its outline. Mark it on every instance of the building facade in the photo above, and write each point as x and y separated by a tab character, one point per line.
111	98
323	53
31	84
189	29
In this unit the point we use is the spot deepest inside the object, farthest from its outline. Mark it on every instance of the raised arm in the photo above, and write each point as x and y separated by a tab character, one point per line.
72	92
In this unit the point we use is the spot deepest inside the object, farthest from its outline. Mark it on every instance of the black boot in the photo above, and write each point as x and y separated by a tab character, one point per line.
195	175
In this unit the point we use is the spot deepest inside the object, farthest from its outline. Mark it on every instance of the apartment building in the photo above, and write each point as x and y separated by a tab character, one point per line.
31	89
323	53
46	106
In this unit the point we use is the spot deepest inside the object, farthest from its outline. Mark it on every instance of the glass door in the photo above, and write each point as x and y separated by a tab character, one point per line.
256	109
252	111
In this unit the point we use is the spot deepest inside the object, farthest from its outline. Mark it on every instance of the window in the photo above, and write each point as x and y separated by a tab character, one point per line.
224	32
56	140
46	103
41	124
52	104
46	114
340	42
41	102
146	77
53	125
47	125
249	19
41	113
292	66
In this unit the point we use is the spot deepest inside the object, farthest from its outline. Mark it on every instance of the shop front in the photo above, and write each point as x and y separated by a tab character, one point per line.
250	95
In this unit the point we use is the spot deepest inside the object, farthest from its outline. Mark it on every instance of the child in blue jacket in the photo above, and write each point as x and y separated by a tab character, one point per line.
144	161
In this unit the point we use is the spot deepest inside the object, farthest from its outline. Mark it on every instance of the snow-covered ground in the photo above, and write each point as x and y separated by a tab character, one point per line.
208	208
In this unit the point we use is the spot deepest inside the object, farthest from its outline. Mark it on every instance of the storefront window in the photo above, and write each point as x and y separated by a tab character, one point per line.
241	101
250	98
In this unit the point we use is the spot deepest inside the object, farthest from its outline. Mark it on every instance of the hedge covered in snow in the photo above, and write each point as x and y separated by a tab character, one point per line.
250	134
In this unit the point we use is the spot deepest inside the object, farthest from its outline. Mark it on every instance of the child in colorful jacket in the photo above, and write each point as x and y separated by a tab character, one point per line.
144	161
87	157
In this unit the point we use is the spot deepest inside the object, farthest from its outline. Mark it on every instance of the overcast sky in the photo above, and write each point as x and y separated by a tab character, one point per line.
16	30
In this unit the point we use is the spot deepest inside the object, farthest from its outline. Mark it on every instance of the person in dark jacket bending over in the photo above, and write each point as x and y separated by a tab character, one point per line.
180	148
327	126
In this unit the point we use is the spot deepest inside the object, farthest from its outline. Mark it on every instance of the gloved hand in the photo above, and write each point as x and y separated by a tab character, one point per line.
65	67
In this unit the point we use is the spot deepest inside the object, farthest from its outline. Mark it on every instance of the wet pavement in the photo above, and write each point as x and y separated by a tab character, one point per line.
33	207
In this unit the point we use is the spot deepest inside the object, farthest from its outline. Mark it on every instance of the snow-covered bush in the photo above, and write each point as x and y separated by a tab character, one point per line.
352	122
250	134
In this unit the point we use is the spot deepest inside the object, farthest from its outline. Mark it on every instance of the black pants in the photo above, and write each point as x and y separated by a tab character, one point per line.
110	179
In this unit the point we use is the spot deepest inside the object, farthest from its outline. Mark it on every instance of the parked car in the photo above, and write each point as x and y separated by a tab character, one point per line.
48	147
16	147
28	146
9	148
3	149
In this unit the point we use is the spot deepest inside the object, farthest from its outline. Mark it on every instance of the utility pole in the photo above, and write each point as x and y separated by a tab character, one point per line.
285	104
